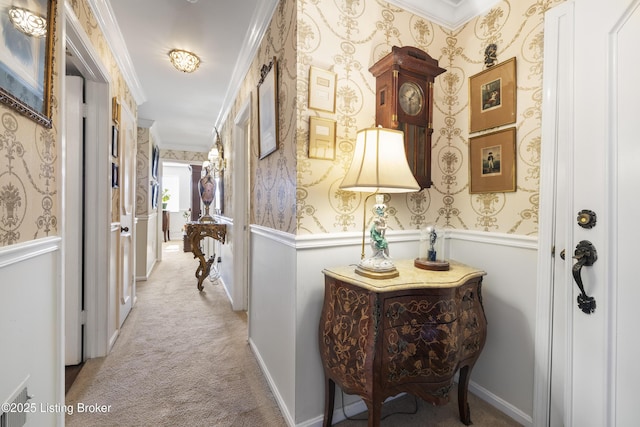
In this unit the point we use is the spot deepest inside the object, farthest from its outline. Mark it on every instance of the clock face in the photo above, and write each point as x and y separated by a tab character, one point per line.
410	98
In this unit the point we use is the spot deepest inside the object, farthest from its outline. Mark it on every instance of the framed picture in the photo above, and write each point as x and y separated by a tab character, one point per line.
492	162
322	90
154	195
492	97
26	51
114	175
115	110
155	160
268	109
114	141
322	138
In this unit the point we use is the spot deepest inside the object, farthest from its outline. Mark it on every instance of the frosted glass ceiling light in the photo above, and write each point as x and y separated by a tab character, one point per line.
28	22
184	60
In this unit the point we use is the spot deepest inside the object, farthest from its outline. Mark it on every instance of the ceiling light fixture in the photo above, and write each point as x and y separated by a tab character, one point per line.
28	22
184	60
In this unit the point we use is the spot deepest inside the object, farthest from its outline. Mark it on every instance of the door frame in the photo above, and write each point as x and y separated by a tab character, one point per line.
97	190
240	182
558	33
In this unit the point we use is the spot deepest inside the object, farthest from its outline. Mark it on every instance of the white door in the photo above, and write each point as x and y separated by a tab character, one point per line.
127	158
593	366
73	218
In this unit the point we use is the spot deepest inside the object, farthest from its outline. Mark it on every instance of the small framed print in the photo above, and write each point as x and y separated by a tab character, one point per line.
115	110
114	141
322	89
492	97
322	138
114	175
492	162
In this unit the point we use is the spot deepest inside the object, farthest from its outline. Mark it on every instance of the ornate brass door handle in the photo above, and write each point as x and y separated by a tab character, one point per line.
585	254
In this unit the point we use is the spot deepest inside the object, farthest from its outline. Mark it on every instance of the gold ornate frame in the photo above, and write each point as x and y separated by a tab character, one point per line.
492	97
492	162
26	74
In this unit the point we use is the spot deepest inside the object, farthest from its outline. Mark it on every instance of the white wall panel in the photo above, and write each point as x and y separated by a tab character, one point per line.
31	325
286	296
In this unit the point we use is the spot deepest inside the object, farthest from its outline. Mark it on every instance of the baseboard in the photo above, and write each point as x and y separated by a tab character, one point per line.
501	405
148	274
272	385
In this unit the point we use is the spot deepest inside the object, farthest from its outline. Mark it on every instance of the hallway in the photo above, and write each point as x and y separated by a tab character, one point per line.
182	359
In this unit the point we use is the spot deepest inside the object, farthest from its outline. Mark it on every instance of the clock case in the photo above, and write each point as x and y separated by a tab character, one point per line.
401	65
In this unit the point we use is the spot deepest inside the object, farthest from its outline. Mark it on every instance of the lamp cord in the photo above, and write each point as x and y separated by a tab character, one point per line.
415	410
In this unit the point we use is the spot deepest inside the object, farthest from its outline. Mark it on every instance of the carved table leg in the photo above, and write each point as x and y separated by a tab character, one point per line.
329	397
463	388
203	271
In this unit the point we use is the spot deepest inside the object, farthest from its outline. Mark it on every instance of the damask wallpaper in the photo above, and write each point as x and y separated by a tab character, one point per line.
143	172
299	195
30	154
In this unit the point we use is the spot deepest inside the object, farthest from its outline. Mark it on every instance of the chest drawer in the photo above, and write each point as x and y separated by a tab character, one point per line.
419	309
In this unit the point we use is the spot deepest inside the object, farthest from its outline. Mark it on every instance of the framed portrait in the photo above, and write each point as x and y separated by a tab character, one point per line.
322	138
114	175
26	56
492	97
114	141
268	109
492	162
322	89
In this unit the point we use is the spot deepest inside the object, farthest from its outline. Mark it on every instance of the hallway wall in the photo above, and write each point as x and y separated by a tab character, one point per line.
31	325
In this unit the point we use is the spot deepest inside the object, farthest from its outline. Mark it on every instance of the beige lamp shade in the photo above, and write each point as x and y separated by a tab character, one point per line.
379	163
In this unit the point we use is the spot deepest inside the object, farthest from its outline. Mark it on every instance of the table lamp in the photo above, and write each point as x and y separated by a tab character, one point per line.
379	165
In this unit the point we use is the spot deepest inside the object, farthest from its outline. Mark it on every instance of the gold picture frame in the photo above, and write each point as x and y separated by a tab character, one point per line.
492	162
26	60
322	89
115	110
268	109
492	97
322	138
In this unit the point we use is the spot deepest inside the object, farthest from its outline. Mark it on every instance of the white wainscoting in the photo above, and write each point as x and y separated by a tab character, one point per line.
226	266
31	325
287	290
146	245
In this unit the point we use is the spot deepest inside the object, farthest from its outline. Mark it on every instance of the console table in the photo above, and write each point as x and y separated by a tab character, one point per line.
196	231
411	334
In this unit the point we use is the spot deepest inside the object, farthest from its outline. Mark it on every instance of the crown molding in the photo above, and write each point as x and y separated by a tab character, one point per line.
109	26
260	21
450	14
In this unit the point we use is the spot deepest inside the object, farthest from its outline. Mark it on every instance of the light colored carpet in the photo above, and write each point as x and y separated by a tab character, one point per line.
182	359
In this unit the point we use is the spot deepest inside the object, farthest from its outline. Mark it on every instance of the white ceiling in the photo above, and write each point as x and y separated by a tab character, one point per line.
225	34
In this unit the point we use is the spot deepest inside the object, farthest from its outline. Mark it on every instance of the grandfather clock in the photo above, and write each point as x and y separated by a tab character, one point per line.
404	101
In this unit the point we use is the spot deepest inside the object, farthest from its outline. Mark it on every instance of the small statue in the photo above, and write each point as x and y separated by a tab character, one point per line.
377	231
433	236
